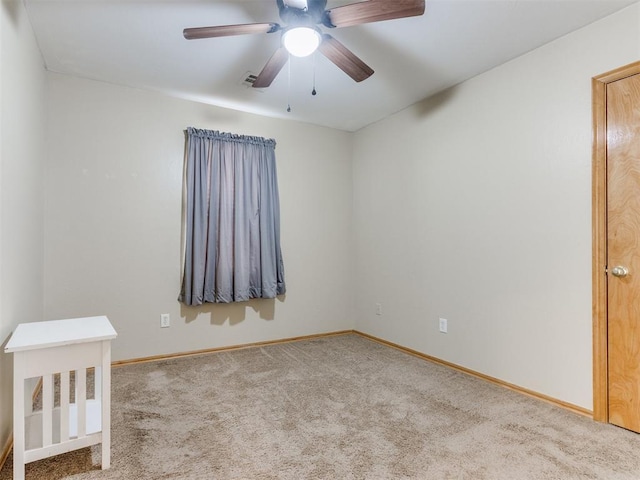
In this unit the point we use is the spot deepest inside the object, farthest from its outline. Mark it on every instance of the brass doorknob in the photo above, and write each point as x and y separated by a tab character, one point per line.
620	271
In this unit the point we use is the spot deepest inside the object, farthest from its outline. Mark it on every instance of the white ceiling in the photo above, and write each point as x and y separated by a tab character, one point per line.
139	43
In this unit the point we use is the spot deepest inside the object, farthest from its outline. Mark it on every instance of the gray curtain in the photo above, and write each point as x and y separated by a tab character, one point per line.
232	247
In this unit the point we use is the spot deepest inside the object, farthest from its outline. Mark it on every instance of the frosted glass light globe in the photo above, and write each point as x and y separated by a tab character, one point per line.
301	41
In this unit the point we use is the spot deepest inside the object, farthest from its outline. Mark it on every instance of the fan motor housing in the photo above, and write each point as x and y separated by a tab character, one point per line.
312	15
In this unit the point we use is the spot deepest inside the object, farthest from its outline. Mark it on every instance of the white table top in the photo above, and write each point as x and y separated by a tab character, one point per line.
55	333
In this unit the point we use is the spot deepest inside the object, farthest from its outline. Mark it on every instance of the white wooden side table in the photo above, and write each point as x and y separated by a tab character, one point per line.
42	350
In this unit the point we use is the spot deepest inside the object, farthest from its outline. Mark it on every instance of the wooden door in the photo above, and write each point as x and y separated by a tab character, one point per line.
623	251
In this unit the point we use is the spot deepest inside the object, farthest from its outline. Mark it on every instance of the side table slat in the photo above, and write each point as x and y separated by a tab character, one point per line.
47	410
64	406
81	401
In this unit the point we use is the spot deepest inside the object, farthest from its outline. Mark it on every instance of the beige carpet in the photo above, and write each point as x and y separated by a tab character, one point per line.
340	407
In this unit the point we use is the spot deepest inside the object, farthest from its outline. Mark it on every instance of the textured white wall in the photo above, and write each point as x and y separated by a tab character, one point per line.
22	90
475	206
113	218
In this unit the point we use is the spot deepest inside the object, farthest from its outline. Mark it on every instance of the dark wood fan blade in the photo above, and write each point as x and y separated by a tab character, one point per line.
272	68
373	11
229	30
344	58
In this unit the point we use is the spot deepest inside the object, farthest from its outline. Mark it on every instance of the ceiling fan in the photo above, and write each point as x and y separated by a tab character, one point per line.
301	33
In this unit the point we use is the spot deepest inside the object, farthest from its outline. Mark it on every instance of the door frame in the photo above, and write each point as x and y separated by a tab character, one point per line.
599	235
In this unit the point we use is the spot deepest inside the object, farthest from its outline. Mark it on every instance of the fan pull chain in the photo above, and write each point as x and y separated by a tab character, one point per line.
313	92
289	85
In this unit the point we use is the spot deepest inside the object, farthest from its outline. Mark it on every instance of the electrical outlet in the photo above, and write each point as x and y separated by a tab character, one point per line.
443	325
165	320
378	309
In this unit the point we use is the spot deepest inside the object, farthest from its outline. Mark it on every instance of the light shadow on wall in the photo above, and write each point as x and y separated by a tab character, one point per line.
432	104
234	313
12	8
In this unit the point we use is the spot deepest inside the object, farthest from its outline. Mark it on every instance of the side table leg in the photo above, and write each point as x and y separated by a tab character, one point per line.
106	404
18	416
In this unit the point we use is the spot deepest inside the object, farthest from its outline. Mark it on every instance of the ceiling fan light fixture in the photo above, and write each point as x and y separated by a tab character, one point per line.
301	41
